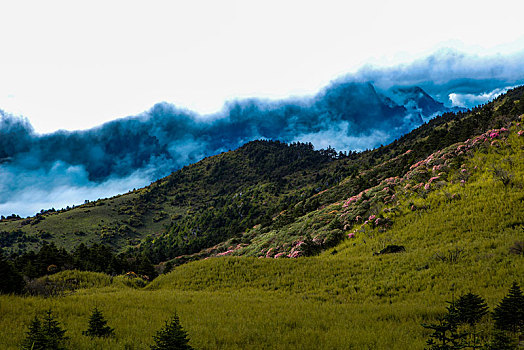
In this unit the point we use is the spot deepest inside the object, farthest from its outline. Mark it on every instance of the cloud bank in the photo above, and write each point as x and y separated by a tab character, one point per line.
371	107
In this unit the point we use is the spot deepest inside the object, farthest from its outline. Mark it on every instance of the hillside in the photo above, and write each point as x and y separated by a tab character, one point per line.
458	213
242	198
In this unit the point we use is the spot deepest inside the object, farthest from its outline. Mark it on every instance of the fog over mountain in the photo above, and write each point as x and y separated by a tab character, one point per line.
371	107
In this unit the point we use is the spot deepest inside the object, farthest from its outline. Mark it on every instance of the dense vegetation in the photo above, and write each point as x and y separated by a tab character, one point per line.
263	183
339	251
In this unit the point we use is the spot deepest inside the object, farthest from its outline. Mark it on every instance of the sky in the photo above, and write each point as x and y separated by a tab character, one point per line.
196	78
74	65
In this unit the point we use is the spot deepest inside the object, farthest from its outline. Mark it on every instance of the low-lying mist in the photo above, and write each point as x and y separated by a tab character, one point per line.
361	111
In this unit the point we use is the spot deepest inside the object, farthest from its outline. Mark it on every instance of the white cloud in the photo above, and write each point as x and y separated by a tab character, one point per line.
467	100
43	190
112	59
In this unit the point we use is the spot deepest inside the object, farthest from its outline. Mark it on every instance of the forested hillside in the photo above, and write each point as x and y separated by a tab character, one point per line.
395	247
266	185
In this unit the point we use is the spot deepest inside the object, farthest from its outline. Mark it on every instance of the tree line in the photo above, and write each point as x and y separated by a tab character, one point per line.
48	334
16	271
460	326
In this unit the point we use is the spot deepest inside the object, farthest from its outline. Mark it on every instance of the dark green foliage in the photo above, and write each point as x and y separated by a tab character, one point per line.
8	239
49	259
457	328
171	336
98	258
98	325
501	341
446	334
509	314
470	309
44	335
35	337
10	280
146	268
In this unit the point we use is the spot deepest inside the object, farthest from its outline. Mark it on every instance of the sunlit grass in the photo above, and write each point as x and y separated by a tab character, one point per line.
347	300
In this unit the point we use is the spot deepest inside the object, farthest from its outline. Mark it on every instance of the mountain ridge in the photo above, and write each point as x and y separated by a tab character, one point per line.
133	152
219	198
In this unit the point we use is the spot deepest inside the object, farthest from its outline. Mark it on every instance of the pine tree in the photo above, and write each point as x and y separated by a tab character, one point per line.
44	335
470	310
98	326
52	332
35	339
171	337
445	333
509	314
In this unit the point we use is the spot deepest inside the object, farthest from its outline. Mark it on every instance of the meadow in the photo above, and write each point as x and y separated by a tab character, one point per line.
344	298
459	234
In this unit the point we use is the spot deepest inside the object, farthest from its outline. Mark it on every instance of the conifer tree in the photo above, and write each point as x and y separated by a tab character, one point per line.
98	325
171	336
146	268
44	335
446	334
509	314
470	310
35	337
52	331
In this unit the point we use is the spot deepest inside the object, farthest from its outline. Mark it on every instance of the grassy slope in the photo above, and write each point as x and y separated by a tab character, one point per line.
274	176
269	171
351	299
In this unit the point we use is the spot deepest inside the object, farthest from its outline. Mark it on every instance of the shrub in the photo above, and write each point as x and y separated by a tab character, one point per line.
171	336
45	335
98	326
509	314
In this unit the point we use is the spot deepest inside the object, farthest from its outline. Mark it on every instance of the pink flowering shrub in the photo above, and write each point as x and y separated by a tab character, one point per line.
226	252
294	254
433	179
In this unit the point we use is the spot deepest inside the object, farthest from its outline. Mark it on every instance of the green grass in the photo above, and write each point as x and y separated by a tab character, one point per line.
347	300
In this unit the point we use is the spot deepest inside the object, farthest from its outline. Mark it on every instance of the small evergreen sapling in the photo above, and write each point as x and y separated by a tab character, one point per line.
45	335
35	337
446	334
171	336
98	326
509	314
471	308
